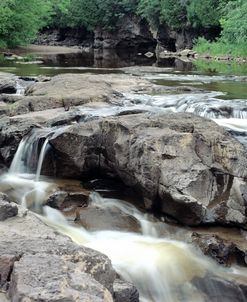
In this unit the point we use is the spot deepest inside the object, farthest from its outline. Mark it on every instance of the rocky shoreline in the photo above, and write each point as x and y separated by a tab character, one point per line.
185	168
38	264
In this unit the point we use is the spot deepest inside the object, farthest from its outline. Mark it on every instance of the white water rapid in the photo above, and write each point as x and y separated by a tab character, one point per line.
156	260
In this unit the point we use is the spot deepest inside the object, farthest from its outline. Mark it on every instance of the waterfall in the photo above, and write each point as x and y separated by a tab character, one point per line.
27	155
163	269
25	170
43	151
157	262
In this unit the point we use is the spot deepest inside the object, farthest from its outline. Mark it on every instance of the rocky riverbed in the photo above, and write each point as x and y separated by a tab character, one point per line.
185	169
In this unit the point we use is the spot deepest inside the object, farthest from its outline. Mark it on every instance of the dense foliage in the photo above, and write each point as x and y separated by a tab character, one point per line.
98	13
233	39
22	19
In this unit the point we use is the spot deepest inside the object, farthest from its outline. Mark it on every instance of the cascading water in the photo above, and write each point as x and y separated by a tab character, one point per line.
158	262
22	182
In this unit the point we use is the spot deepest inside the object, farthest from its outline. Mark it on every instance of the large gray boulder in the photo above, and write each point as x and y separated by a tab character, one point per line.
37	264
52	278
182	165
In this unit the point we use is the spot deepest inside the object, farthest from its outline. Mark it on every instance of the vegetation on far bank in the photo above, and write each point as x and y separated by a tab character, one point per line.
233	39
220	48
21	20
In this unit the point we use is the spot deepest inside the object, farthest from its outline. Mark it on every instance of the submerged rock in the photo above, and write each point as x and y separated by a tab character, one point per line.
229	290
192	170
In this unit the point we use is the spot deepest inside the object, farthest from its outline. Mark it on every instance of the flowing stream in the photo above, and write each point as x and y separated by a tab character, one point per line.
154	256
162	266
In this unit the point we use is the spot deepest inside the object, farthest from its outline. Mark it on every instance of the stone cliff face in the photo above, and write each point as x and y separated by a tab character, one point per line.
131	32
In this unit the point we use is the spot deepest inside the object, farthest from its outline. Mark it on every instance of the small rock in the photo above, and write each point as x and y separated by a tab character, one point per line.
61	199
224	252
125	291
149	54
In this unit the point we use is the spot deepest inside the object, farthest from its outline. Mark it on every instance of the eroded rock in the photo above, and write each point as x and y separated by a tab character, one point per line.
62	199
223	251
192	170
57	267
51	278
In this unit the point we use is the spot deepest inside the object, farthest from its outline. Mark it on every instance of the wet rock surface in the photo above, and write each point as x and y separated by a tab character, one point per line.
223	251
230	290
61	199
68	90
57	268
191	170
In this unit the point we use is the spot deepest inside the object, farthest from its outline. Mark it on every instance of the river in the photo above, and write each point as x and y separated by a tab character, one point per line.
144	250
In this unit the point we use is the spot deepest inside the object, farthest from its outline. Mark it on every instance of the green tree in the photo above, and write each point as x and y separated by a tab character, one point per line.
59	13
97	13
150	10
21	20
234	22
173	13
204	13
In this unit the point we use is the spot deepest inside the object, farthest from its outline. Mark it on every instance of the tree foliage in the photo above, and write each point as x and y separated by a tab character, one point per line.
173	13
97	13
204	13
234	22
22	19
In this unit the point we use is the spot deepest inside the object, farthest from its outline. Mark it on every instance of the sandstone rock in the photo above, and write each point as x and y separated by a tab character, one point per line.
68	90
7	209
57	267
50	278
223	251
191	170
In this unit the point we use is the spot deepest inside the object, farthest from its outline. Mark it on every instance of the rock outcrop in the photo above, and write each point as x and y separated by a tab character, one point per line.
132	32
37	264
192	170
68	90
